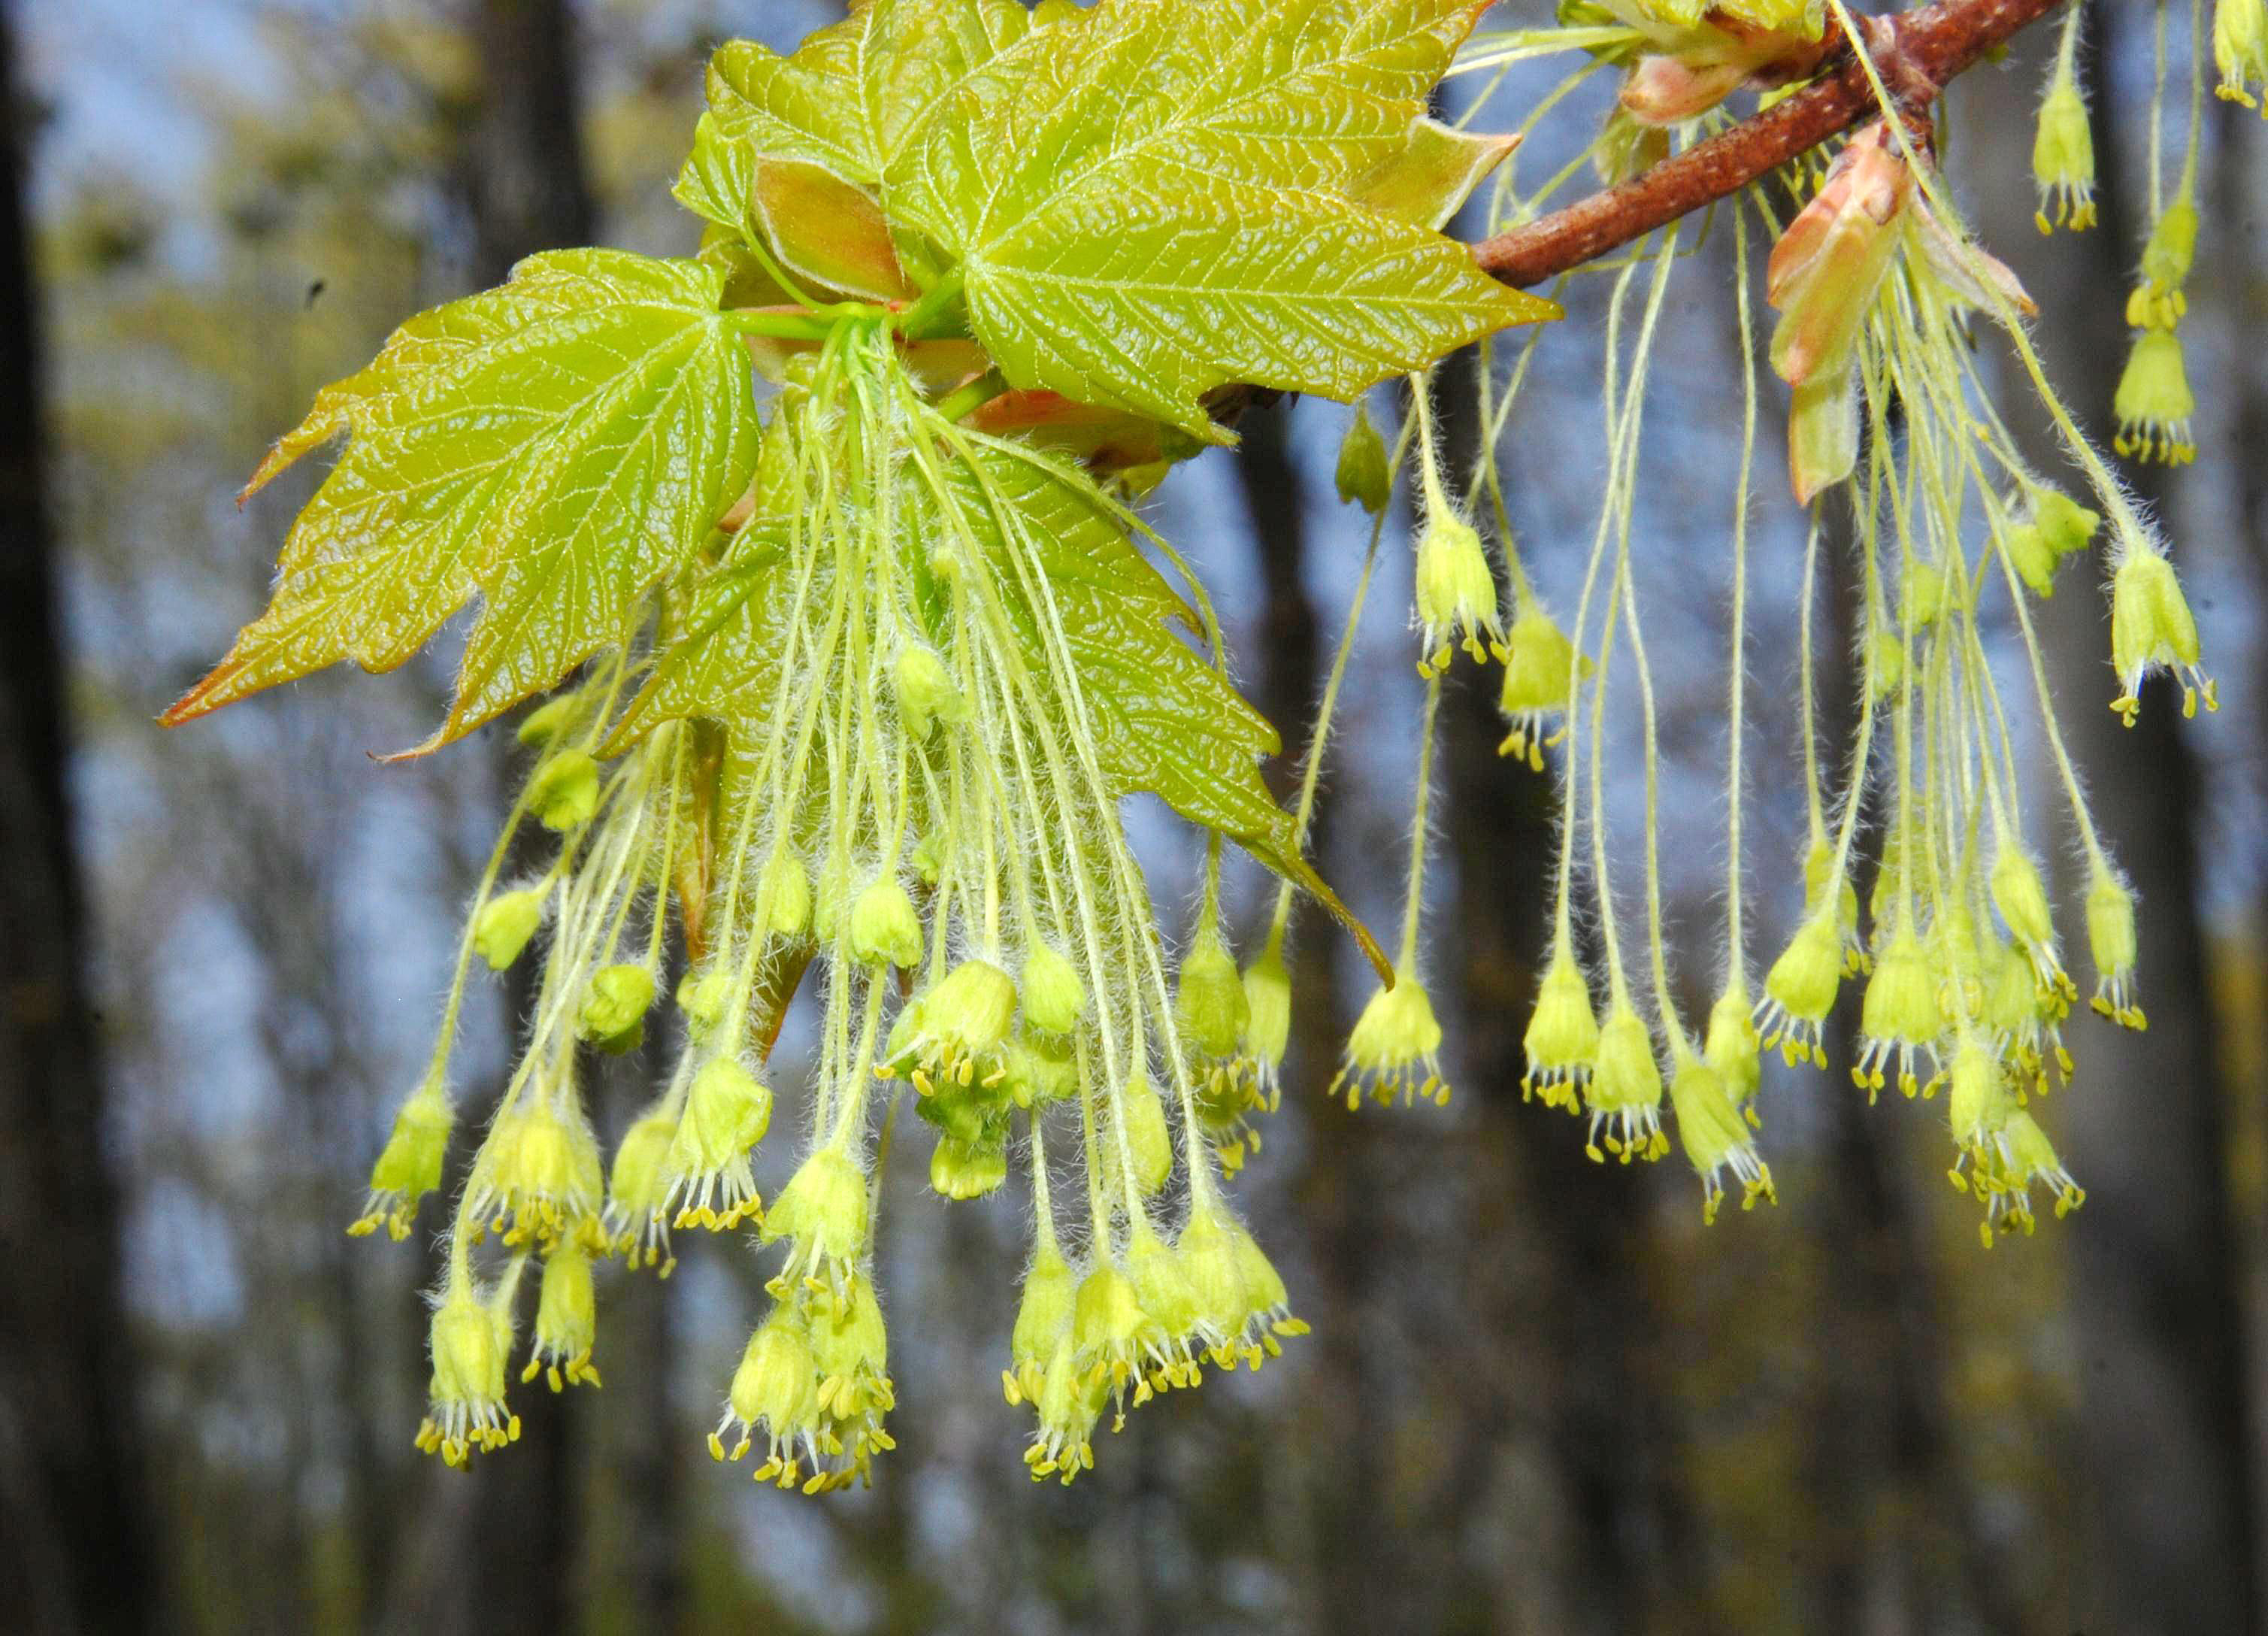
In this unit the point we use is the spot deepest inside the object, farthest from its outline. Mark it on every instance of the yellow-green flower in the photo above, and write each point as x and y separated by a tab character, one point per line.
465	1410
1624	1093
612	1015
504	925
823	1212
964	1168
2152	628
2112	940
1799	990
2063	154
1394	1050
566	1320
1149	1142
1715	1140
564	794
707	1177
956	1031
1733	1046
1457	590
1209	1003
1043	1320
1267	1019
636	1220
1054	1000
884	929
1901	1015
850	1351
1562	1042
925	692
2239	50
537	1176
784	895
774	1390
1540	671
409	1167
2157	302
2153	405
1070	1402
1241	1306
1363	477
2031	1160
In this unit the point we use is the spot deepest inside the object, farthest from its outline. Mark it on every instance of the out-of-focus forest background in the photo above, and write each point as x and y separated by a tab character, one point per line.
1539	1397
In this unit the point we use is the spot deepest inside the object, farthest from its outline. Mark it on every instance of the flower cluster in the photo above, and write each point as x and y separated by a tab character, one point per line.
1946	934
908	805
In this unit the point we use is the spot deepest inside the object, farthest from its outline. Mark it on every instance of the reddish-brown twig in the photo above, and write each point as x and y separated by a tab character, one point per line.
1917	52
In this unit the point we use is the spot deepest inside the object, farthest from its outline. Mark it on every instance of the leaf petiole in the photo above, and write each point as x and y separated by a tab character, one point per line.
970	397
915	321
795	323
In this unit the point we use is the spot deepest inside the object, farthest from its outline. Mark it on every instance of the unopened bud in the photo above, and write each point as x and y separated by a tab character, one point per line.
504	925
1363	477
564	794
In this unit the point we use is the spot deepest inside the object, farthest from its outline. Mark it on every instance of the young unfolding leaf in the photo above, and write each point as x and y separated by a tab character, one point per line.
558	446
827	230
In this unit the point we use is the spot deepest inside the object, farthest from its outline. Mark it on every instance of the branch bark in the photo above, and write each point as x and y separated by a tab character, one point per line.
1918	53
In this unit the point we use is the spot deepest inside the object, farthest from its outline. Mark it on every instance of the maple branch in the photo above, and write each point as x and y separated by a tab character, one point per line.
1918	53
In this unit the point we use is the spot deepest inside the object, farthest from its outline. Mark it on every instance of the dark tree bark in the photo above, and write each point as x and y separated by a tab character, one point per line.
2244	288
2161	1374
75	1542
1605	1439
1339	1449
525	179
525	183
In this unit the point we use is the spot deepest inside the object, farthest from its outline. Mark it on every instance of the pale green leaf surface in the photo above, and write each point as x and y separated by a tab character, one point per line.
1147	303
1150	203
556	446
718	178
914	56
725	665
807	106
1428	178
1150	94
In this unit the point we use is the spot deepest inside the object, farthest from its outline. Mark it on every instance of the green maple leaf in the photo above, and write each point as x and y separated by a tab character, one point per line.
857	100
1148	303
1166	95
1151	199
556	446
854	99
1166	199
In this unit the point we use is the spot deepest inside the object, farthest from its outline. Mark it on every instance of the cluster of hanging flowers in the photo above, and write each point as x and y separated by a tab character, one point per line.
1961	971
903	813
907	817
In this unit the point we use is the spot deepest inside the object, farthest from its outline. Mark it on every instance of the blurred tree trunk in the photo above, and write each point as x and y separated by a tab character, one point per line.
525	178
2240	218
2161	1371
1613	1521
1894	1553
524	184
1337	1551
75	1543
